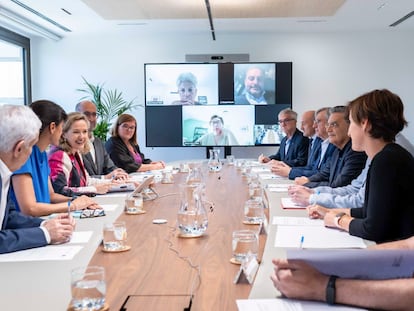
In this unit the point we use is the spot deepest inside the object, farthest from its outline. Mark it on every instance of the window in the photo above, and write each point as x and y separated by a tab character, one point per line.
15	84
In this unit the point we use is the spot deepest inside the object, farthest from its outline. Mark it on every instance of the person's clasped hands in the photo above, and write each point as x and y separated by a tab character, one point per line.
300	194
83	202
316	211
60	228
296	279
280	168
117	174
158	165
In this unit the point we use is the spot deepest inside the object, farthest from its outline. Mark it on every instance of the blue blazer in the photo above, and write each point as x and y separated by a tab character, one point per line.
315	164
18	231
344	166
297	154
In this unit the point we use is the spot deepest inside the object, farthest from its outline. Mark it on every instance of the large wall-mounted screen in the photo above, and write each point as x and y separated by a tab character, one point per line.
224	104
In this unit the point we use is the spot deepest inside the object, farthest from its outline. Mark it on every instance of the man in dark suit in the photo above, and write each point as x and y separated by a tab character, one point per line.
320	150
97	162
294	146
19	131
345	164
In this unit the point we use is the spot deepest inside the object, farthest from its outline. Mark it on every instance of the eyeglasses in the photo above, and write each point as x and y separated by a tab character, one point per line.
127	127
285	121
90	114
334	125
91	213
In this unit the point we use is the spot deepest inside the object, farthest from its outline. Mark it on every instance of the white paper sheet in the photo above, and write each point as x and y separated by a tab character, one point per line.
296	221
278	185
288	203
277	190
80	237
270	176
315	237
260	169
109	207
286	305
359	263
50	252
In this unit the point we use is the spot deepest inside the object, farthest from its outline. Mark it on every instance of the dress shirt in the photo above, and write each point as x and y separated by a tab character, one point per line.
350	196
5	175
287	145
324	147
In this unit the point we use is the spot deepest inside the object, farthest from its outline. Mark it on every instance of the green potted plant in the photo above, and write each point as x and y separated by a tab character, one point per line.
109	105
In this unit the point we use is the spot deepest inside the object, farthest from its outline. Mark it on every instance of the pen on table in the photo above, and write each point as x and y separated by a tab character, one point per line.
301	241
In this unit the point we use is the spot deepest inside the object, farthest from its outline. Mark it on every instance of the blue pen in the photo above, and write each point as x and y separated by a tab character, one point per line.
69	206
301	241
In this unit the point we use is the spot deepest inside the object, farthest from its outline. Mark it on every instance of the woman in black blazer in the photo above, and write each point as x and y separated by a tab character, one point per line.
123	148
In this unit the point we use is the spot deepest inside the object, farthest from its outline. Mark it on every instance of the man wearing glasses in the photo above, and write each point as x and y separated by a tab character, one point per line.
294	146
345	164
320	151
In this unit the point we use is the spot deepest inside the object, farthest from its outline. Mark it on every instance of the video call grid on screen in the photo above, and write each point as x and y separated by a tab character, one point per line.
167	120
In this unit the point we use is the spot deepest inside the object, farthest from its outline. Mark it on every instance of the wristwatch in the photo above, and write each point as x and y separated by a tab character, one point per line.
331	290
338	218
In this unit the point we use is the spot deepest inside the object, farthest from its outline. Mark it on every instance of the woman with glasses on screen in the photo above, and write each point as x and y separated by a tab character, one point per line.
32	189
219	136
124	150
187	89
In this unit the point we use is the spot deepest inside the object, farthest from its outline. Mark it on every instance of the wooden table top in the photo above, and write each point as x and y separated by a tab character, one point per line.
161	263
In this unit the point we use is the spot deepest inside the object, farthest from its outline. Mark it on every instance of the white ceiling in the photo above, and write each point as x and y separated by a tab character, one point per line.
229	16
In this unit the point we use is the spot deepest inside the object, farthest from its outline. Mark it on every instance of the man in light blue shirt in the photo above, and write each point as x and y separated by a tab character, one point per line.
350	196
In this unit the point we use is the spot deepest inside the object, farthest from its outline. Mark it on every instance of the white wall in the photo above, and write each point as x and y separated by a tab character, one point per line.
328	69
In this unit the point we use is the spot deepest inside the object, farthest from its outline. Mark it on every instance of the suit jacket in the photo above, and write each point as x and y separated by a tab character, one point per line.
314	161
102	165
18	231
344	166
297	154
242	100
121	156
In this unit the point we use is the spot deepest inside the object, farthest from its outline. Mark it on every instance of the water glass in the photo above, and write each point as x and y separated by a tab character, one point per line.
88	288
167	177
230	159
114	236
253	211
256	191
134	204
244	242
184	168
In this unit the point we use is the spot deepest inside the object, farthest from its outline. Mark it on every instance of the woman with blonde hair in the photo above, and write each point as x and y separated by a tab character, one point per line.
68	172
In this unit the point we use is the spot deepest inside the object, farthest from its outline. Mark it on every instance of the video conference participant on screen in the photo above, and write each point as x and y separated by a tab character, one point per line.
187	89
254	92
219	136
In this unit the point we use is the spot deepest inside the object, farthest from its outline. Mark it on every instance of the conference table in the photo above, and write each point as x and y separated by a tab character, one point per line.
155	274
161	271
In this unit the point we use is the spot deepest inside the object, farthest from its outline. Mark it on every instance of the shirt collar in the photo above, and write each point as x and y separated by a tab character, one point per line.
4	172
261	100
